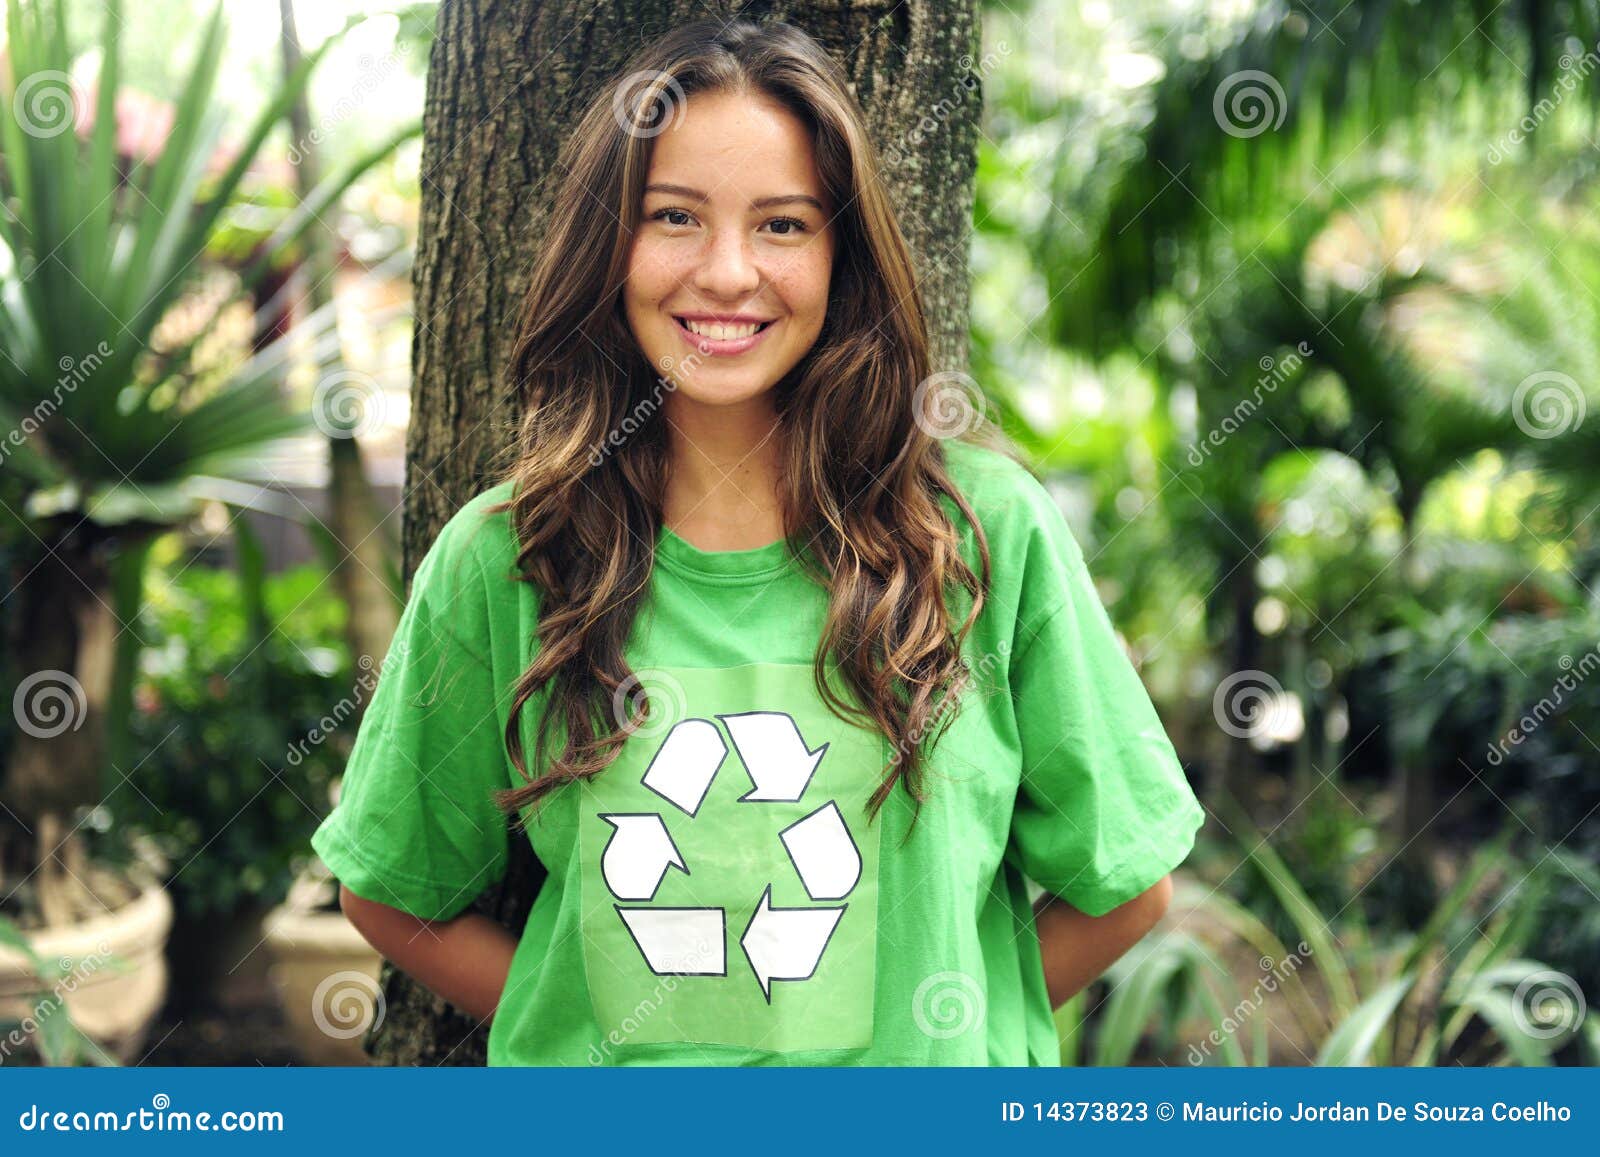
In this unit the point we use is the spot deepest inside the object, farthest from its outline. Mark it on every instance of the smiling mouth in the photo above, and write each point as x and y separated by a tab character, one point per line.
761	328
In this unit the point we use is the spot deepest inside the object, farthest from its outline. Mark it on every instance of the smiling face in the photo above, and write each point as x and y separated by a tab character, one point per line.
733	230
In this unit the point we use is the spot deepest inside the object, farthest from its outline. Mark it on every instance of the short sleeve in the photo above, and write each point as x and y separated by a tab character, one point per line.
416	826
1103	809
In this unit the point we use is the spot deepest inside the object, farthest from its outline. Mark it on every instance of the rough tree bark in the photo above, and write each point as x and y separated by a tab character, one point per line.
503	80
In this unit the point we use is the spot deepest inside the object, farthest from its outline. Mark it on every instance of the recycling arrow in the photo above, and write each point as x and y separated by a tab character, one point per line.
638	855
678	941
824	854
770	745
682	770
786	943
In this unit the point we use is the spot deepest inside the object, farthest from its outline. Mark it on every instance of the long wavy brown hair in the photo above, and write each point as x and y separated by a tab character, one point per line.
862	472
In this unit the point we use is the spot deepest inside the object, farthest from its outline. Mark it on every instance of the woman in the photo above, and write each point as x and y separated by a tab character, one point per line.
817	682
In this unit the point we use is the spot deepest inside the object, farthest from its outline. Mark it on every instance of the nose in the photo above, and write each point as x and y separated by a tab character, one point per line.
727	268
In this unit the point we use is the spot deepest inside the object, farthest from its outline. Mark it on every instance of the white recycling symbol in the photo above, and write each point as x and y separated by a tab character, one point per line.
779	943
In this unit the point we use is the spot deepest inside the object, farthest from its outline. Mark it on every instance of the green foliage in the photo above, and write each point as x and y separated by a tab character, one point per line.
120	423
1460	989
231	768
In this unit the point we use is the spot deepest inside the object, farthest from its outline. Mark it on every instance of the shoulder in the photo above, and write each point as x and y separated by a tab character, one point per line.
476	543
1018	513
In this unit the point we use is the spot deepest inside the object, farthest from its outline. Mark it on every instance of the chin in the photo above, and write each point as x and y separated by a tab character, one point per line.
702	394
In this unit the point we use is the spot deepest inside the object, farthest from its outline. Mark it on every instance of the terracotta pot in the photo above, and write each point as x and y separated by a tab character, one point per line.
326	978
116	979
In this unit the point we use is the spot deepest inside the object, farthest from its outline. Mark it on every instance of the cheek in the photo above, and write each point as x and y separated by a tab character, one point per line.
803	282
650	274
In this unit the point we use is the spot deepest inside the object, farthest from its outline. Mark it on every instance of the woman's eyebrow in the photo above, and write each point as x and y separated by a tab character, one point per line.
759	203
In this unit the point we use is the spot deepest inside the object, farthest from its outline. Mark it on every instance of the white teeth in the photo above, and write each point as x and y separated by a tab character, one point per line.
720	332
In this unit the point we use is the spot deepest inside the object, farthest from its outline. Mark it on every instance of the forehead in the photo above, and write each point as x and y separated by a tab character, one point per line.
736	147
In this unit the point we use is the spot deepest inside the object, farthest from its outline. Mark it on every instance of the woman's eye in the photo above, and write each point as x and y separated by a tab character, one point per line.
799	226
663	213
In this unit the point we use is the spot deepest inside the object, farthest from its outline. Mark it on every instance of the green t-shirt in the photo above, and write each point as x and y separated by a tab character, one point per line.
717	896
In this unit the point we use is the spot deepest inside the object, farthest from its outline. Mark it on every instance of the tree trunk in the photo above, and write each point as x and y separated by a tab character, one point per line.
504	81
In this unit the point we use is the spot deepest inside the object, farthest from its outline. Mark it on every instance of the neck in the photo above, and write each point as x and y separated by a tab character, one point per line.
722	485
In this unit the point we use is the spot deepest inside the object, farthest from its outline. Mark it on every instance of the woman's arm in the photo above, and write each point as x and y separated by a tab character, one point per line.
1077	948
464	959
